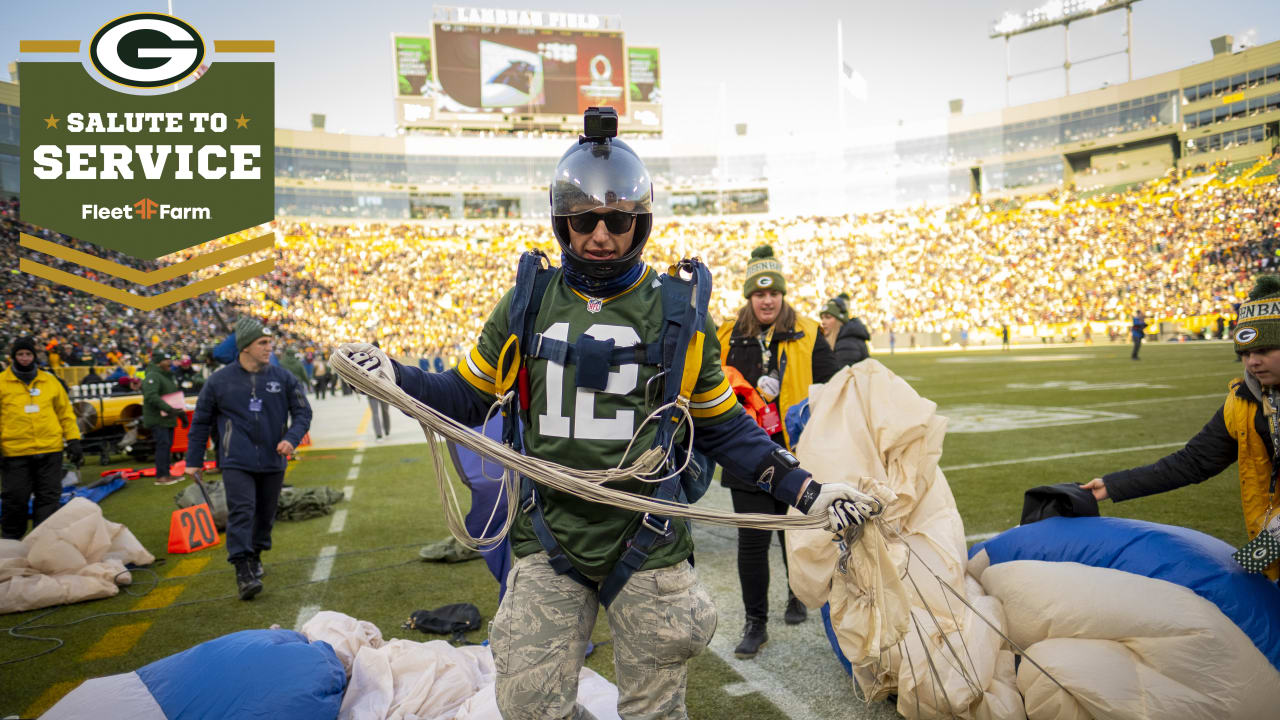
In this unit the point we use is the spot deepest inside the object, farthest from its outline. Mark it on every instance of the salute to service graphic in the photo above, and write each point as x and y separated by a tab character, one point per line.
147	149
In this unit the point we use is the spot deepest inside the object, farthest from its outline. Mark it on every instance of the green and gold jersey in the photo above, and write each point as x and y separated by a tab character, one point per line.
590	429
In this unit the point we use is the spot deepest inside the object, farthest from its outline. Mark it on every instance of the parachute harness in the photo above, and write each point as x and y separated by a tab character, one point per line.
586	484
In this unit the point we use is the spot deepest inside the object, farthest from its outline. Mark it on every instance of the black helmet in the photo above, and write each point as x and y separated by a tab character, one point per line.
601	172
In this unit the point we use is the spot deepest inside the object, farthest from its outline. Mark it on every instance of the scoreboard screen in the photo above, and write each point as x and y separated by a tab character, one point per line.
535	71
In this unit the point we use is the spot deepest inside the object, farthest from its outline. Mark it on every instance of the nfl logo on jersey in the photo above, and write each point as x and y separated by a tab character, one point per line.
594	305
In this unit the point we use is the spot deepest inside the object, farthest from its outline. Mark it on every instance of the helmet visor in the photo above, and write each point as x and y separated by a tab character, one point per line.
601	175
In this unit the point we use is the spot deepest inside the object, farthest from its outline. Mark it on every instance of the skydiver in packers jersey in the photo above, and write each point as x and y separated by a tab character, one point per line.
601	201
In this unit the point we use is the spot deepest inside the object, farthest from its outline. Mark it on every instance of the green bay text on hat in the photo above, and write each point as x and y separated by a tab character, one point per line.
764	272
249	329
1258	320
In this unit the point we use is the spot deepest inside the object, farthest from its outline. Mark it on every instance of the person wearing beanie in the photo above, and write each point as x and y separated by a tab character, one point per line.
1243	430
158	415
847	336
260	413
778	355
36	420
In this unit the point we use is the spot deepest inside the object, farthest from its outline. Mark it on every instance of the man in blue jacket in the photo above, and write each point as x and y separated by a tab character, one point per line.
247	403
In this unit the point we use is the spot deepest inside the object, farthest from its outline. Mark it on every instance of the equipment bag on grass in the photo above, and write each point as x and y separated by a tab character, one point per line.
191	495
303	503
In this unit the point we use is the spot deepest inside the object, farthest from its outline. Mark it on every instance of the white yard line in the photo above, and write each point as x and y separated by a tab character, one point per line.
324	563
980	536
305	613
1063	456
1122	403
348	491
761	680
338	522
354	472
357	458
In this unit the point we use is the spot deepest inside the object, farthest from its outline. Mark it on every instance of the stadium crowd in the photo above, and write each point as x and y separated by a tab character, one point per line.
1175	247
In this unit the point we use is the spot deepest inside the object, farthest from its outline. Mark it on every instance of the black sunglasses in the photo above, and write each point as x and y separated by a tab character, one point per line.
616	222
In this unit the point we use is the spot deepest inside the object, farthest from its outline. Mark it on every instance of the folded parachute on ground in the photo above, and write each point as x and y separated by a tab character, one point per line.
76	554
252	673
1135	620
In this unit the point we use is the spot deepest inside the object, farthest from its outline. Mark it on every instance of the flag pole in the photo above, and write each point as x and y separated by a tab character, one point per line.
840	77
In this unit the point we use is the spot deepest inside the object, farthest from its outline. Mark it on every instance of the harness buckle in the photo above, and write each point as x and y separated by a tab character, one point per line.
528	505
536	344
649	396
660	530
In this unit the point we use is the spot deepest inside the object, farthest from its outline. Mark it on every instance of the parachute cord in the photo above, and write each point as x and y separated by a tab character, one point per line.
1018	648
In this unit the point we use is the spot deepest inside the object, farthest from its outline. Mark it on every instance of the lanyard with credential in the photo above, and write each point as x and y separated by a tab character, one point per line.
766	355
255	403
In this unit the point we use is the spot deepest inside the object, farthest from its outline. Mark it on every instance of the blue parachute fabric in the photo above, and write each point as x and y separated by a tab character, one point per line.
1199	562
484	478
797	417
273	674
94	493
831	638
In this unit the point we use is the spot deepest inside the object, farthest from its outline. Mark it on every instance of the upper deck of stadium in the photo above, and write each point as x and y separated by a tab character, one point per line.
1226	108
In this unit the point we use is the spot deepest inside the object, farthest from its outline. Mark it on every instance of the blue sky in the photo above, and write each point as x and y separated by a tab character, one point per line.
773	63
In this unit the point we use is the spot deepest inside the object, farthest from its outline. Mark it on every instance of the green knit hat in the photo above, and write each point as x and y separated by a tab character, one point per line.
248	329
838	308
764	272
159	355
1258	320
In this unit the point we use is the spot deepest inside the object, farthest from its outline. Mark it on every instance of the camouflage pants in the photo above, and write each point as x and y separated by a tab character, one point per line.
659	620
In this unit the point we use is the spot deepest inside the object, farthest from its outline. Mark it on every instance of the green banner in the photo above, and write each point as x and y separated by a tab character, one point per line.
413	65
148	175
646	81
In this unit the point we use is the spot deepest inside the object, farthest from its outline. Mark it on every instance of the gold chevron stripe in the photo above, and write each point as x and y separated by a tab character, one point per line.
248	46
143	277
49	46
140	302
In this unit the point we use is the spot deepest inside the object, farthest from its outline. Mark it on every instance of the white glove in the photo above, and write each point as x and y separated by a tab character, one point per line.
368	358
843	505
768	387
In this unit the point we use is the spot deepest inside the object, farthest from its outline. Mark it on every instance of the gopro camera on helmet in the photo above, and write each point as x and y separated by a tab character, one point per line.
600	123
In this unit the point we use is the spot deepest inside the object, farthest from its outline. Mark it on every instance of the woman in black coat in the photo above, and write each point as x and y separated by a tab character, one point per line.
847	336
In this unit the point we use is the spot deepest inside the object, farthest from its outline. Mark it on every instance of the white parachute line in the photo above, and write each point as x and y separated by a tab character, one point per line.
957	663
1018	648
972	665
934	675
586	484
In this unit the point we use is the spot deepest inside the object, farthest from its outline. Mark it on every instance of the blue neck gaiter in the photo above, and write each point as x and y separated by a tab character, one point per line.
600	288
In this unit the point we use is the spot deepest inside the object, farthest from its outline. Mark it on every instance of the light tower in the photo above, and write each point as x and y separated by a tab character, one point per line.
1060	12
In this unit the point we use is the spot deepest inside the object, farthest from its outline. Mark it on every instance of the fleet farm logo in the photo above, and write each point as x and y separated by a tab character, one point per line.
147	149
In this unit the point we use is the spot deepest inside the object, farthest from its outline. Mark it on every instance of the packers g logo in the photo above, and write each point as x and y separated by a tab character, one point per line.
1246	335
146	50
764	281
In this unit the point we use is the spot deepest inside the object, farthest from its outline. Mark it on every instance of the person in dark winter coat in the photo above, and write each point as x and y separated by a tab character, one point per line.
847	336
260	412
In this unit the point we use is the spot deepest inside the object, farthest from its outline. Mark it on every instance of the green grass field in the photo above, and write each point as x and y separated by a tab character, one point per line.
1018	400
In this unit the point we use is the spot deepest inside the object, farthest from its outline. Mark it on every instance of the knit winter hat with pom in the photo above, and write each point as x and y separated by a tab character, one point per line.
764	272
1258	324
838	308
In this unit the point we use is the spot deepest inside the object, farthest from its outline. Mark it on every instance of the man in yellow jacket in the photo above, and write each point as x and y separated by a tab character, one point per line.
35	419
1243	431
